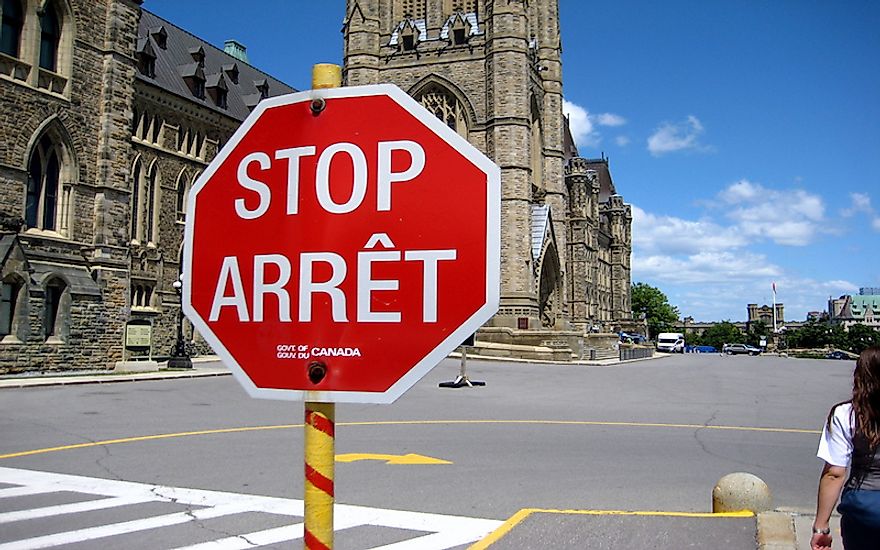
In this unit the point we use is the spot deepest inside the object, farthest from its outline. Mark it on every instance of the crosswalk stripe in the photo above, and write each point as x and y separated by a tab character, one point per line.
13	492
443	531
122	528
75	507
258	538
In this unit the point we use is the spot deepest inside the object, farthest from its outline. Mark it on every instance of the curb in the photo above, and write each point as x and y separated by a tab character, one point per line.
110	377
776	531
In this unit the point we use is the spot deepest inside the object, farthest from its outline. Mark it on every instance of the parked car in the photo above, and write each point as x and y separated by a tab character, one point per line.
740	349
700	349
634	338
837	354
670	342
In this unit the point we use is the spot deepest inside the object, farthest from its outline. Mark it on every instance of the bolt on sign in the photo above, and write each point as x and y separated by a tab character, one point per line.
340	245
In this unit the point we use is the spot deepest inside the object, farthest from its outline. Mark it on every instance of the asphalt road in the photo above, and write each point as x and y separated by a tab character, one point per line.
649	436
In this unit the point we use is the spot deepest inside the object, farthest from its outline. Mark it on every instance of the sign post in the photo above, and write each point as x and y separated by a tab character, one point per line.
341	244
319	439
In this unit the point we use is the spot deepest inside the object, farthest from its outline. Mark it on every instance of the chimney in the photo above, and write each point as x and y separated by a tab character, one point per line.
236	49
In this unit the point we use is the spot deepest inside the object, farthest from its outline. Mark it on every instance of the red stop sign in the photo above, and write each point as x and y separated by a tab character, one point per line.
363	238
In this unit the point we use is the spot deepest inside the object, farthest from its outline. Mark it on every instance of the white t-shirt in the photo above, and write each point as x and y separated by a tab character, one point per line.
835	446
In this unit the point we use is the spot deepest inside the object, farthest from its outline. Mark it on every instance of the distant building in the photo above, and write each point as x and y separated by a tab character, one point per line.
850	310
869	291
765	315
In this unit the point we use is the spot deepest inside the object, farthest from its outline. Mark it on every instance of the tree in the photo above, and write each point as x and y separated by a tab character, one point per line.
860	337
757	331
654	305
722	333
814	334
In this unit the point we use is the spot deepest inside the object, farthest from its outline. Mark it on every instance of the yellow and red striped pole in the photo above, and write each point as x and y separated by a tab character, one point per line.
320	419
320	458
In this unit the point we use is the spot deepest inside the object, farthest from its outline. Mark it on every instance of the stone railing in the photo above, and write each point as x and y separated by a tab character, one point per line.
53	82
14	68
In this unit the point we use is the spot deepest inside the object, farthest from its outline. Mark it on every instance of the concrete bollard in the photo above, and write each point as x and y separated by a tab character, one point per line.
741	491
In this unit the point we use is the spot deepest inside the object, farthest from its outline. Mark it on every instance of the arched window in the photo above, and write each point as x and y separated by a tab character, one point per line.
144	201
446	107
183	185
10	289
47	200
50	37
10	32
56	303
150	201
136	175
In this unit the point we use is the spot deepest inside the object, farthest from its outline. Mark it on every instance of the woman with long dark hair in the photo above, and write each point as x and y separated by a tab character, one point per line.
851	439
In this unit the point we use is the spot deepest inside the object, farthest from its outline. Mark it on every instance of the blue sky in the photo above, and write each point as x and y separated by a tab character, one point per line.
746	134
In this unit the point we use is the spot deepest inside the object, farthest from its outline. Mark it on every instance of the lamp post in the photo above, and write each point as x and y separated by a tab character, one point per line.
179	355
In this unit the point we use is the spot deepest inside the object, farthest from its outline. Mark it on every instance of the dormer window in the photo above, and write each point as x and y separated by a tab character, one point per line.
409	37
231	71
217	89
160	36
146	58
460	27
458	36
198	55
262	86
194	76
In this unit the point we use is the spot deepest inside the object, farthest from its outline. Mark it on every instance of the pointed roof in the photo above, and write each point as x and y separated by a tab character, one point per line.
180	59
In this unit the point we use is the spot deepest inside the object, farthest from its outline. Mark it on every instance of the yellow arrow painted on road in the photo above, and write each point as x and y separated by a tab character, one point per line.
391	459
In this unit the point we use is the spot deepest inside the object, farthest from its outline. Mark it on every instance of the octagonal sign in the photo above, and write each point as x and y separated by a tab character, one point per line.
340	245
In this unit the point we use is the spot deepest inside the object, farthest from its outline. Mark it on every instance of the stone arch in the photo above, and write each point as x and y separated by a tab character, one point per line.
14	307
52	171
183	183
437	82
56	307
67	21
152	195
549	285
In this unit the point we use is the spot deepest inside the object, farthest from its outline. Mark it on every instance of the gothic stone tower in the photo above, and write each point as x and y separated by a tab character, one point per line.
491	70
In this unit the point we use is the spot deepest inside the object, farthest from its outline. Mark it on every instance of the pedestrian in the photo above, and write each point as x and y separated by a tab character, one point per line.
850	439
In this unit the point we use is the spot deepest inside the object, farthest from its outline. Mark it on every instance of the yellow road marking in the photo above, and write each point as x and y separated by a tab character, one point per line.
391	459
520	516
403	423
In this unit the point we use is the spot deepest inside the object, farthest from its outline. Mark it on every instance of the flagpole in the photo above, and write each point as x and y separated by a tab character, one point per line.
774	307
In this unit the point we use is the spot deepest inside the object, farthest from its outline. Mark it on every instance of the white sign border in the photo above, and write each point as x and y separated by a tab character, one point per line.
448	345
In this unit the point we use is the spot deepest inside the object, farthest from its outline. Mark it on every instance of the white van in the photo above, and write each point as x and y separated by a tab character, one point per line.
670	342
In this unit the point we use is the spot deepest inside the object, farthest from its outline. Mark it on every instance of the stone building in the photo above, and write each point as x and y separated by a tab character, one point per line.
107	115
855	309
491	69
765	314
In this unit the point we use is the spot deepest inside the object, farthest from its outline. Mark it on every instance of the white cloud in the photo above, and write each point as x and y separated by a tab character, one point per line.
667	235
710	268
788	216
610	119
682	136
859	202
583	124
580	124
622	141
707	267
